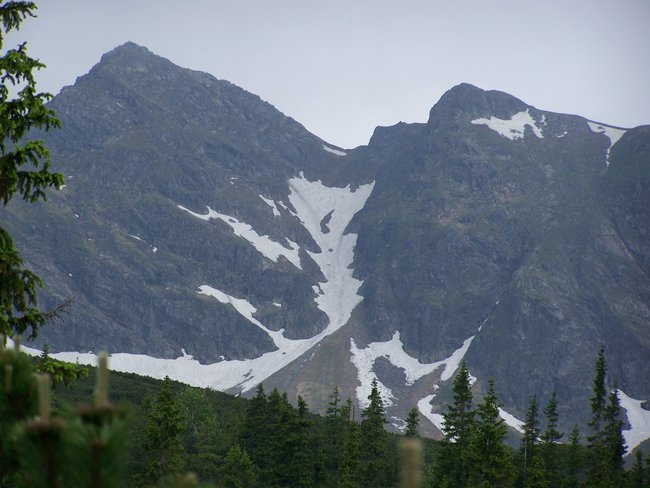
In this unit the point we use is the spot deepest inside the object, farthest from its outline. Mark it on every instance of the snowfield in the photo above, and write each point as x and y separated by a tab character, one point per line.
514	127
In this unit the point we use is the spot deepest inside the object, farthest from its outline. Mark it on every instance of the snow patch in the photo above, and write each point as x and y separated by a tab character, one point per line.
424	406
514	127
135	237
264	245
511	420
393	350
279	305
638	418
338	294
313	201
338	152
271	204
612	133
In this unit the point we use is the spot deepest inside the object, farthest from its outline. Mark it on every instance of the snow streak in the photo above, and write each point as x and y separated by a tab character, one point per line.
514	127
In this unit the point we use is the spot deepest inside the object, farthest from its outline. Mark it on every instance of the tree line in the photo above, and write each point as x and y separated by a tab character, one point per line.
176	435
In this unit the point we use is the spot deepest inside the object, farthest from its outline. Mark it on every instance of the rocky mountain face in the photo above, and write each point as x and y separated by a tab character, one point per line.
205	235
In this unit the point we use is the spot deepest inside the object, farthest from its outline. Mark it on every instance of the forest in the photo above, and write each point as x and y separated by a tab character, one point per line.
149	432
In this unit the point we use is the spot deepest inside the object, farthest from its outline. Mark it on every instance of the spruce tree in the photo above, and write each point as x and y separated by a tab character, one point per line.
490	463
550	440
537	474
162	446
24	169
615	447
412	422
255	432
374	441
300	468
349	475
573	460
458	420
551	434
531	434
238	471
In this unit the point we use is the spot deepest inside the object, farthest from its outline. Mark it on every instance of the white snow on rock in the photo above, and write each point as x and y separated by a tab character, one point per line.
271	204
269	248
512	128
393	350
135	237
424	406
639	420
338	294
313	201
612	133
511	420
338	152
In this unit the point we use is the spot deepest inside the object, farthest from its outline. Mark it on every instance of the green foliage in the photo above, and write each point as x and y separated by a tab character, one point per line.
86	446
374	469
61	372
458	423
161	444
531	434
24	169
490	460
412	422
238	471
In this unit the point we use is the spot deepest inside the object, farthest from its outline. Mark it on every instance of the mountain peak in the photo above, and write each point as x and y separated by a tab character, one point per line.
465	100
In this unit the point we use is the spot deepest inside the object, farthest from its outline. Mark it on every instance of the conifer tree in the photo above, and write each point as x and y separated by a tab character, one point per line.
551	434
458	421
490	463
550	440
412	422
238	471
615	447
162	446
255	433
24	169
336	424
531	434
374	441
300	468
537	474
349	470
573	462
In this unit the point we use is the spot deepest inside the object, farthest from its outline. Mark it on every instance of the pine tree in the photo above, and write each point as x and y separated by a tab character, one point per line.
573	461
551	434
550	440
255	433
531	434
238	471
300	468
412	422
606	445
458	422
24	169
349	470
336	425
614	442
374	441
599	392
162	445
537	474
490	463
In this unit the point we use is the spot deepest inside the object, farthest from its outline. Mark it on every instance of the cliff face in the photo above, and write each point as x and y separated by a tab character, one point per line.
198	220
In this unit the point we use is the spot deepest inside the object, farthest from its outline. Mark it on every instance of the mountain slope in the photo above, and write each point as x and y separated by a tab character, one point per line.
207	236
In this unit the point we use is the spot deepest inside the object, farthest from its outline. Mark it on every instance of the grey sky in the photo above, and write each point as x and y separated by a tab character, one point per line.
343	67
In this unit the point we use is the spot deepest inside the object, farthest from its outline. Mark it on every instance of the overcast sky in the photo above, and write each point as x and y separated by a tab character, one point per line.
343	67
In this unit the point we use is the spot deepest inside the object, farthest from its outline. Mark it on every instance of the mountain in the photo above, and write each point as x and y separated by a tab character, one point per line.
207	236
